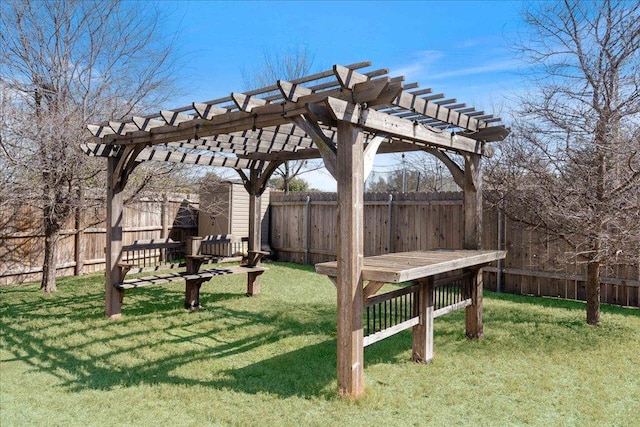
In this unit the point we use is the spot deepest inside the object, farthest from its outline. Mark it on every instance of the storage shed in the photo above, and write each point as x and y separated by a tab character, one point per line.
224	209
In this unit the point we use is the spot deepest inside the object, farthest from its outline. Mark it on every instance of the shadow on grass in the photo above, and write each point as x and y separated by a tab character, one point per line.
158	342
66	336
306	372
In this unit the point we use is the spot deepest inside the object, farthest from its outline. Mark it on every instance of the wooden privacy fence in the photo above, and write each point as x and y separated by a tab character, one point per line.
81	246
303	230
303	227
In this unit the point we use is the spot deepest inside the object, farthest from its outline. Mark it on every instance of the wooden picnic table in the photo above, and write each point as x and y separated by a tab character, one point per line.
420	268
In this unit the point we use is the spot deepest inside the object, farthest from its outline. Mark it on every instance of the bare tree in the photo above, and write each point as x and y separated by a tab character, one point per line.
287	64
65	63
414	172
216	202
572	165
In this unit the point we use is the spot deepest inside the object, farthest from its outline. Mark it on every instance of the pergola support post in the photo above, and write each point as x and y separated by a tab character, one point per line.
113	295
255	184
350	351
253	280
472	240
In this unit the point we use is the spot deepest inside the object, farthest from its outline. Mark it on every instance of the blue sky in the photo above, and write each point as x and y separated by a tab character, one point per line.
461	48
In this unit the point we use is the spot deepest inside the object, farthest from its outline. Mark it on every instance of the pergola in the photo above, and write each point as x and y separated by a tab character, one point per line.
344	116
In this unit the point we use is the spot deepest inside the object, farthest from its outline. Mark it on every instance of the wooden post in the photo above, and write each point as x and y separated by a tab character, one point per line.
253	280
472	239
474	321
423	331
164	223
79	235
389	225
113	296
307	228
350	172
193	248
192	294
193	245
192	287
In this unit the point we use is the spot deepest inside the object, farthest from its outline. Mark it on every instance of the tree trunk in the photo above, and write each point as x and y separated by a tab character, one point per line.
51	238
593	293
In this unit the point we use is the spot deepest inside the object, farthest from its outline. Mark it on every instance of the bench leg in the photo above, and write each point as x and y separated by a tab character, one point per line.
253	284
192	295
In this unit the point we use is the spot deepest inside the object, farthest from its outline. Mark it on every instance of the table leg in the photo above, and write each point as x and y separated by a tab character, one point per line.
473	320
423	331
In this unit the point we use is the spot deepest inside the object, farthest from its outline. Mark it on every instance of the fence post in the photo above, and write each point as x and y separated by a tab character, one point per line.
164	214
79	235
500	272
390	209
307	229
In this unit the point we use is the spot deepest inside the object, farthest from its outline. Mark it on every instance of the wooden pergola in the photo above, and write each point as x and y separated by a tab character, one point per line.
345	116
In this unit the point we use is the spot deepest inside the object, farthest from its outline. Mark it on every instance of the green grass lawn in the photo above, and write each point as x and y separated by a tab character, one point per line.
270	360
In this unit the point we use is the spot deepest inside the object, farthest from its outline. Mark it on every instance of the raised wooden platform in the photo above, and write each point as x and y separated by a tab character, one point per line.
408	266
415	306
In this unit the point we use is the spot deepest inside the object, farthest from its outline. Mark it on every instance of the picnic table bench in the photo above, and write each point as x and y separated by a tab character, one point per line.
441	281
198	251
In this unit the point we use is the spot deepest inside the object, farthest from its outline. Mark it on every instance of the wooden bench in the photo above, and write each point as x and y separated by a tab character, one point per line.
194	278
224	245
152	255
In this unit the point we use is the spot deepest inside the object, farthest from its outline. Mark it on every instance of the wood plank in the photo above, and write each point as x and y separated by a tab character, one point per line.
408	266
431	109
208	274
100	150
173	118
247	103
196	159
377	299
100	131
375	121
208	111
122	128
378	336
146	123
348	78
151	244
451	308
376	92
291	91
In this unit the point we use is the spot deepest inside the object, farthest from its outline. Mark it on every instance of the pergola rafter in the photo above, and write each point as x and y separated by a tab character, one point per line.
343	116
